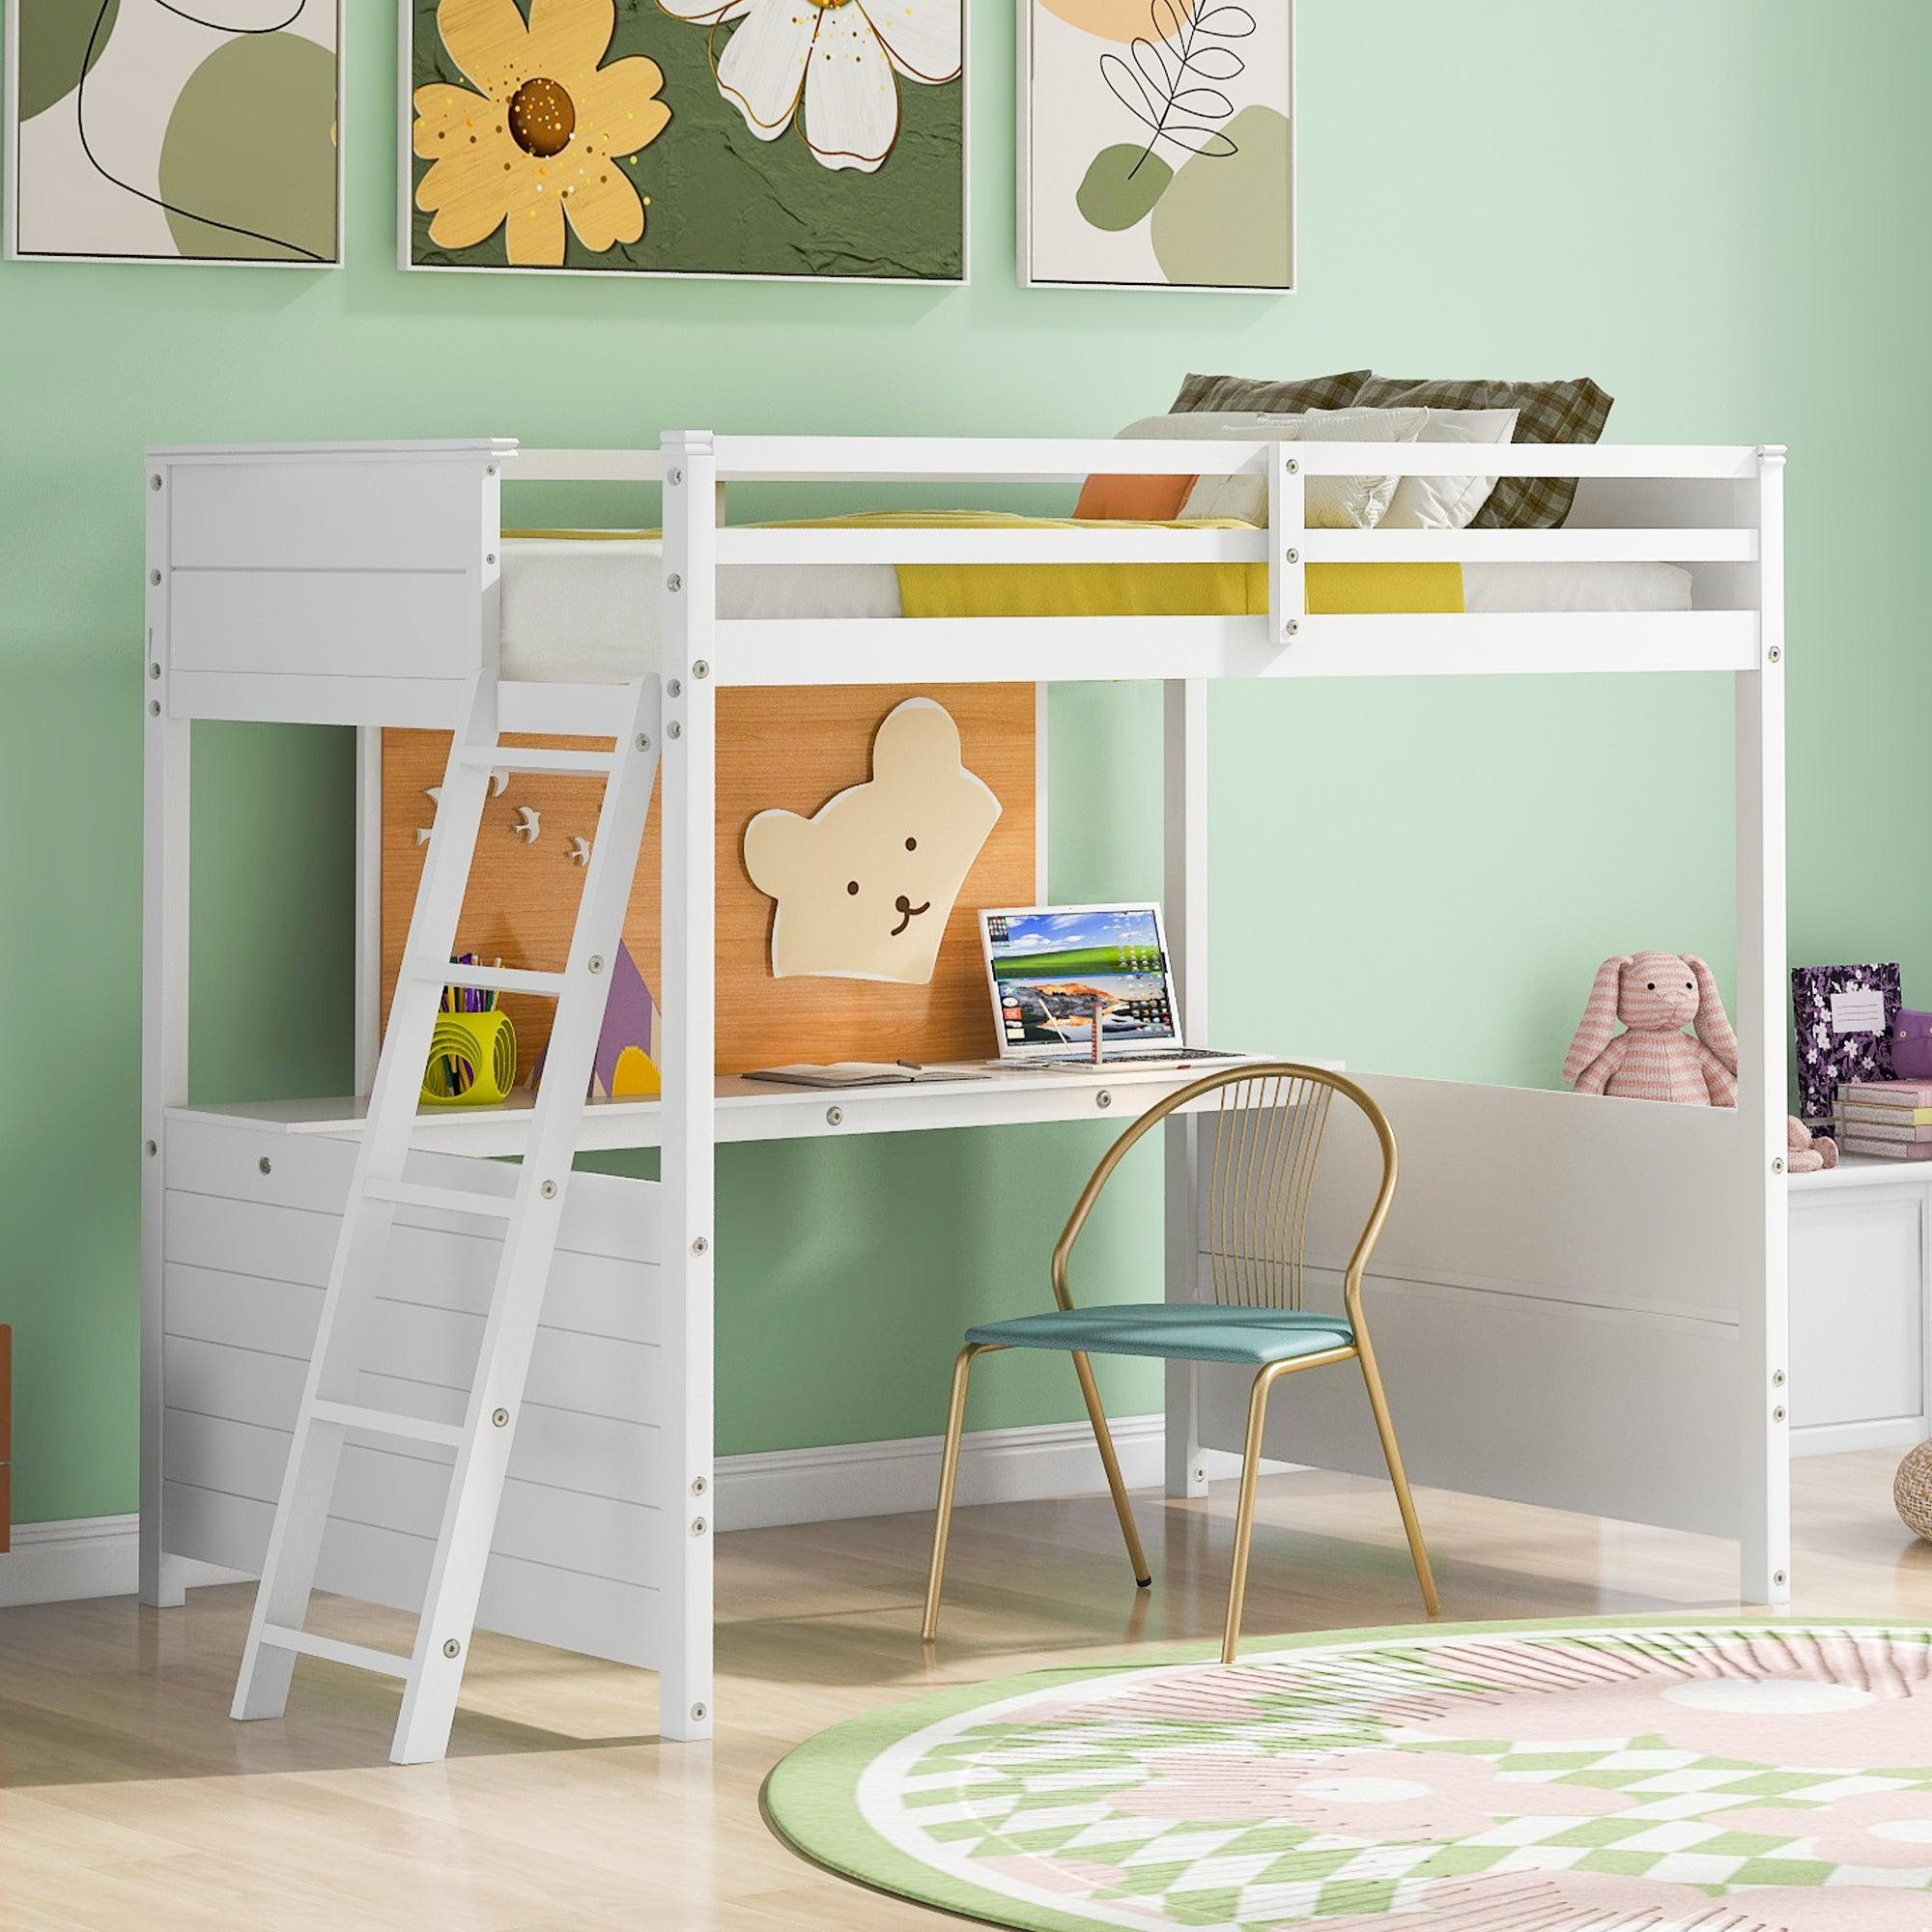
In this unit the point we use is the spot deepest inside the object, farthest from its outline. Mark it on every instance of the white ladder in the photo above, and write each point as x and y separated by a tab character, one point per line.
433	1670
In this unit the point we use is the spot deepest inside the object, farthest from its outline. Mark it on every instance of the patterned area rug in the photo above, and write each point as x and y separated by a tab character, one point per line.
1569	1778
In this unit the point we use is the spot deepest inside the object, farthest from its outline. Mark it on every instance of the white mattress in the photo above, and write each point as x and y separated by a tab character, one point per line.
590	612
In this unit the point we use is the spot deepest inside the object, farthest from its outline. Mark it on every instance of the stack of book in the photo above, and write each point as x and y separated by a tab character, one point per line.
1892	1118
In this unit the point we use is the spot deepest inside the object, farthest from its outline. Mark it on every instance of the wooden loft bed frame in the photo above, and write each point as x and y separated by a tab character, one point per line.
359	585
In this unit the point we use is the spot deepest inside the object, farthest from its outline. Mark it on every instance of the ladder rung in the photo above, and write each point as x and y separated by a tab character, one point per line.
386	1422
384	1663
528	758
450	1199
489	978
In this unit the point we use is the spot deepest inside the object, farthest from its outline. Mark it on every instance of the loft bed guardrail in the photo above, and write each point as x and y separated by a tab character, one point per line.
373	574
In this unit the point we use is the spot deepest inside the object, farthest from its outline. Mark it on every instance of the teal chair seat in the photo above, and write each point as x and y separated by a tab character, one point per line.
1184	1331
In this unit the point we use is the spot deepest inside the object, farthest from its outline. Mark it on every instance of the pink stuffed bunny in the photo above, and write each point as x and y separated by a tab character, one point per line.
1654	994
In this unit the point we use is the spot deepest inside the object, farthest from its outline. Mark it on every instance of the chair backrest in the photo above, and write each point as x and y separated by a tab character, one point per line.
1261	1145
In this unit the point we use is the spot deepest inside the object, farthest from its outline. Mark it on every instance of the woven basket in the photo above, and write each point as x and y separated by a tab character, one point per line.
1912	1491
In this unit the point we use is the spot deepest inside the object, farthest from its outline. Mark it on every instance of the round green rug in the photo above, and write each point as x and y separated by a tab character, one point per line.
1604	1777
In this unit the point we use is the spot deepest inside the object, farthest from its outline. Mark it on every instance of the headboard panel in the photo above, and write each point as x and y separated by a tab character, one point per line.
777	747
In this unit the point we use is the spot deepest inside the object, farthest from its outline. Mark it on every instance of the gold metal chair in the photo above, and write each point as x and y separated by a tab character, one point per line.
1267	1138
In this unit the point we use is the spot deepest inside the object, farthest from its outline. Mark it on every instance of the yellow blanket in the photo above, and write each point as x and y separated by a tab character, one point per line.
1147	589
1118	589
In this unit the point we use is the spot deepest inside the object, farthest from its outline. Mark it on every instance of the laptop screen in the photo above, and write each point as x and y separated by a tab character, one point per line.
1052	967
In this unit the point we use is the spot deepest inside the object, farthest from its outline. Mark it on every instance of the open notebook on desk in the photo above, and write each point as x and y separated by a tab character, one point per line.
860	1073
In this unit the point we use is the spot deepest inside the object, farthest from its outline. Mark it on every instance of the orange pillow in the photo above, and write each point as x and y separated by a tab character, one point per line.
1134	499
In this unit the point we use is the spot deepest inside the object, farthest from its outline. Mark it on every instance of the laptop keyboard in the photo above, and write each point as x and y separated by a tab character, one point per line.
1163	1056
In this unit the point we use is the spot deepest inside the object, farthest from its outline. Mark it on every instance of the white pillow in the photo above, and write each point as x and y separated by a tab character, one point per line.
1331	503
1443	503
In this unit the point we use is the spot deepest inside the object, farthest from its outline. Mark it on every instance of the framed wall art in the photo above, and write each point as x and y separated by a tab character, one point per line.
1156	144
810	139
141	132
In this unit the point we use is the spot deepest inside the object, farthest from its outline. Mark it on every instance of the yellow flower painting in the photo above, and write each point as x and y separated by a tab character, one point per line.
546	134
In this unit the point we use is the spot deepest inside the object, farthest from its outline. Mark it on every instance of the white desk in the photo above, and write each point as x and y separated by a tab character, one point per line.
753	1110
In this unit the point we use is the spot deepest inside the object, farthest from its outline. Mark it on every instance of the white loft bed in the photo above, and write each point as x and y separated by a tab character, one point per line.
1580	1356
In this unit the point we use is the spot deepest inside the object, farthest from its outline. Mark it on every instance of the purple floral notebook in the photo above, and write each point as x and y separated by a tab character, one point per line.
1843	1018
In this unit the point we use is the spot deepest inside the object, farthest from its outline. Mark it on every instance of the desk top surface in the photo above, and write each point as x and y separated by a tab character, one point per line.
753	1110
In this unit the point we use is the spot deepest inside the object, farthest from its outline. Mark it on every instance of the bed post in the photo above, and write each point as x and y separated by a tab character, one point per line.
1764	1488
1184	894
164	937
688	1234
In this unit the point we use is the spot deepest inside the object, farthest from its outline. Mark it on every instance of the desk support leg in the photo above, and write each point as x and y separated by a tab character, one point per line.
1185	890
688	1230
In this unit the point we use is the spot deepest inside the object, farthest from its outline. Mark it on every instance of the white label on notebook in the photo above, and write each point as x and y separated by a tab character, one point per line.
1859	1012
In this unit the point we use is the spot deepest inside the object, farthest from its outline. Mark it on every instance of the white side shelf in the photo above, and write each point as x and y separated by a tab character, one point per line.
751	1110
1861	1291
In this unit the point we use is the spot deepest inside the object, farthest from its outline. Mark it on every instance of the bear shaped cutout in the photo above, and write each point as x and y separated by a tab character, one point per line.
866	885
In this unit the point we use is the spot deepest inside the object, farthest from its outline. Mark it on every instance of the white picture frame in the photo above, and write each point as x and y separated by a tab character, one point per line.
1102	85
174	61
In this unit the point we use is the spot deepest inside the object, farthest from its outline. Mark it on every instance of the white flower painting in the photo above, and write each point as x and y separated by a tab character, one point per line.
835	65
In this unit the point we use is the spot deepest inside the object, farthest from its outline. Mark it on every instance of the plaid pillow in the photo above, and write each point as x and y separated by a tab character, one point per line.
1545	413
1256	393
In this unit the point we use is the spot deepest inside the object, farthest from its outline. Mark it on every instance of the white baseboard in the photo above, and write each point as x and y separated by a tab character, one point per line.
84	1556
996	1465
1834	1438
99	1556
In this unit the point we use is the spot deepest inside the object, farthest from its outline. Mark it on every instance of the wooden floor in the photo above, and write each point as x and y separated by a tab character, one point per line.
128	1798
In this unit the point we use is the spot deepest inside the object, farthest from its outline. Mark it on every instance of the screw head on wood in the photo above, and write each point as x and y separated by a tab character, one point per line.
1774	654
1777	1414
698	1713
1777	1164
1778	1378
265	1165
674	475
154	670
701	1245
1294	556
597	962
698	1486
673	688
154	577
548	1190
675	731
452	1648
1294	467
501	1418
153	482
701	668
674	582
698	1525
643	741
1103	1099
489	556
153	1149
834	1115
1292	627
154	708
1777	1577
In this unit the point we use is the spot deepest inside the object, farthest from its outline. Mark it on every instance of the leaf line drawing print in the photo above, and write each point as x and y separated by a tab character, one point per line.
1173	84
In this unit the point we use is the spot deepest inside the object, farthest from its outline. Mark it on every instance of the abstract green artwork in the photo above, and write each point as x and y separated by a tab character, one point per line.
141	130
793	139
1157	144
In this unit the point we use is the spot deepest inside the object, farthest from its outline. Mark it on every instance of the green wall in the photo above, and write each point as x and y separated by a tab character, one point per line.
1716	209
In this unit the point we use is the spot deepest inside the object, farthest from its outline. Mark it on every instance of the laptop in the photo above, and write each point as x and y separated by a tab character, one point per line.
1050	969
